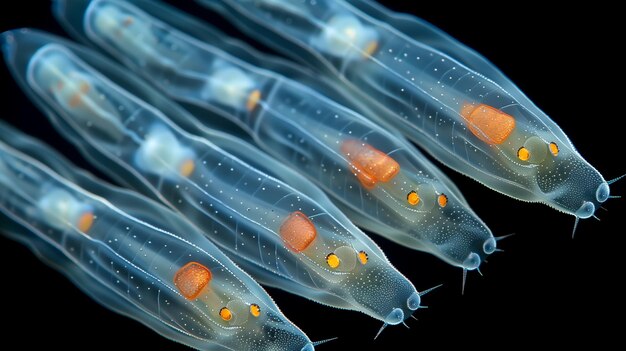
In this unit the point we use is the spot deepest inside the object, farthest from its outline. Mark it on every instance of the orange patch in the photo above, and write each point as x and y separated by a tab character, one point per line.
253	100
85	222
370	48
127	21
191	279
75	100
365	179
84	87
371	165
297	231
187	167
487	123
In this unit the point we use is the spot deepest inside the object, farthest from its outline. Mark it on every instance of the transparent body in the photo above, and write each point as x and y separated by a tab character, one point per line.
280	236
133	255
383	183
441	94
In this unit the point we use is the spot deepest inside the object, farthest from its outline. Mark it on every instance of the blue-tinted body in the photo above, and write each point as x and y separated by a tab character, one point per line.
125	252
441	94
304	129
258	220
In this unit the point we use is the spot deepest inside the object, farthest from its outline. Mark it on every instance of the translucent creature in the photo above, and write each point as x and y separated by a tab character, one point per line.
441	94
133	255
282	237
381	181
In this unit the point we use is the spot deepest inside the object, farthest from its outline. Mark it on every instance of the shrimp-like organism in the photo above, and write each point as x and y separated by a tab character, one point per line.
441	94
382	182
133	255
282	237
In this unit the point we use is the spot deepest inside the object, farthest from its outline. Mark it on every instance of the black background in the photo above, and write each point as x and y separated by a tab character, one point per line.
545	286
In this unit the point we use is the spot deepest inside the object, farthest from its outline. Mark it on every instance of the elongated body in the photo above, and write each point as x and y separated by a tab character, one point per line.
281	236
444	97
135	256
383	183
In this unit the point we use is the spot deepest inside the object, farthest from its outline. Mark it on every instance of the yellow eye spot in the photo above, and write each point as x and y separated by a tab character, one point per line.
255	310
554	148
442	200
332	260
226	314
85	222
412	198
363	257
523	154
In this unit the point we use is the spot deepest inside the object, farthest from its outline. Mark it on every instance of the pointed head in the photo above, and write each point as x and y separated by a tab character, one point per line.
233	311
455	234
572	185
347	269
382	292
537	162
279	334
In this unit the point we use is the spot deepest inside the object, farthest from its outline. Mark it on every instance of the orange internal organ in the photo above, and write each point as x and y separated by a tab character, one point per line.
253	100
487	123
187	167
85	221
370	164
370	48
191	279
77	98
297	231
